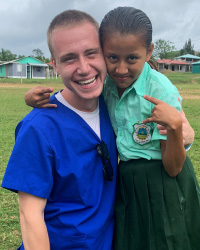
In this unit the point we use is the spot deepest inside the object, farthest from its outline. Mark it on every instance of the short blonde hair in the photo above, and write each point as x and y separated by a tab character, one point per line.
66	19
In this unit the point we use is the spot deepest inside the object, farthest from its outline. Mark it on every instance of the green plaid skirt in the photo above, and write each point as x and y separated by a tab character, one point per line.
154	211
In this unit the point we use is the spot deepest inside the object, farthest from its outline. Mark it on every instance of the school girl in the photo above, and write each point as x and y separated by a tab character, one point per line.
157	205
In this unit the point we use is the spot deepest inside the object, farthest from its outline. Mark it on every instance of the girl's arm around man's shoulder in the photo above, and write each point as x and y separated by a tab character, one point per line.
39	97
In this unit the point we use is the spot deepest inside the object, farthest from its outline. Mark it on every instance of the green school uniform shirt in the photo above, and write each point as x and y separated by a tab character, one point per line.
135	140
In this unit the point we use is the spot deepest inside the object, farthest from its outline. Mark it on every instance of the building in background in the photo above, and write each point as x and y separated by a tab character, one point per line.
188	58
196	67
26	67
178	64
173	65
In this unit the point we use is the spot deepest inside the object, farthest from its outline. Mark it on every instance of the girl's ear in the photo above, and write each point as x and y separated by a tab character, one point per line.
149	52
54	65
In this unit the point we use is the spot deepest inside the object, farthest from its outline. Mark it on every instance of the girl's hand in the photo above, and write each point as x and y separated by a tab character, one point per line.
39	97
164	114
172	150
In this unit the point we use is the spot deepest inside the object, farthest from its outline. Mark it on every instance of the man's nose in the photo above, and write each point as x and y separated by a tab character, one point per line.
83	67
122	68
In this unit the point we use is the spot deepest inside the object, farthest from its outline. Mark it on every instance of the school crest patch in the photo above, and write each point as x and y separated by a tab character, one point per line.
142	133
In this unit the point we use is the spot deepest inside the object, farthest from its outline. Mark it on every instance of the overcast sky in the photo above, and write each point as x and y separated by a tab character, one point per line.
23	23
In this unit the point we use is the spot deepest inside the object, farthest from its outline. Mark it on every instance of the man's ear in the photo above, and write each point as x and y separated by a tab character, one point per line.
149	52
54	65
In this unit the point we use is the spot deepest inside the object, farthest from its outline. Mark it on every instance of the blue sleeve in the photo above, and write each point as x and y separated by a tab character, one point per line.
30	168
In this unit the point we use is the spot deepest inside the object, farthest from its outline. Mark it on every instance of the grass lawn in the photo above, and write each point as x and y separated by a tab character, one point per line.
13	109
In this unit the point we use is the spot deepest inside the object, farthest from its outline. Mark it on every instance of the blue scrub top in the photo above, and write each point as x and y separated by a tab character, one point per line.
55	157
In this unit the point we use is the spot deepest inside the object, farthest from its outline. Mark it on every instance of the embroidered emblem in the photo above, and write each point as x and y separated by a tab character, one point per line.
142	134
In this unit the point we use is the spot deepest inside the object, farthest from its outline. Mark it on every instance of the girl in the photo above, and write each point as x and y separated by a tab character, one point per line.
157	204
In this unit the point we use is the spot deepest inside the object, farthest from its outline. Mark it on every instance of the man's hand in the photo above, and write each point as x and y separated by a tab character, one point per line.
39	97
188	132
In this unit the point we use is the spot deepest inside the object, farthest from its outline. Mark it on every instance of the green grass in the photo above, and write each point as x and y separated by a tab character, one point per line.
13	109
183	78
188	85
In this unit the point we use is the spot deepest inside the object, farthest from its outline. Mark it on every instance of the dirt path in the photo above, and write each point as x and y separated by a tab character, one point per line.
185	94
18	85
190	94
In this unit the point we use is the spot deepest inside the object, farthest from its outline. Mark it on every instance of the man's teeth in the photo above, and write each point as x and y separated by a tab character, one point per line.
89	81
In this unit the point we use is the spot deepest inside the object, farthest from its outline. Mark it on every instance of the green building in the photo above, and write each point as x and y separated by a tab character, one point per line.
196	67
27	67
188	58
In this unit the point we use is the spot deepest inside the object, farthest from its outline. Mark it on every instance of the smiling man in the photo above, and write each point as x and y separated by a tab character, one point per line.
80	64
60	164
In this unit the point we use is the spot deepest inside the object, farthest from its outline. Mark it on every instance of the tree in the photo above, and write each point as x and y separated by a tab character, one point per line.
20	56
188	48
6	55
38	54
164	49
47	60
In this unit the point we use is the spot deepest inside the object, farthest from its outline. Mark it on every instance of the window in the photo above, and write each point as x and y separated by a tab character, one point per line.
166	66
19	67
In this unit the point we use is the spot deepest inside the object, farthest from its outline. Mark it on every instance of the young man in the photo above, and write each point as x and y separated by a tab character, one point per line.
60	163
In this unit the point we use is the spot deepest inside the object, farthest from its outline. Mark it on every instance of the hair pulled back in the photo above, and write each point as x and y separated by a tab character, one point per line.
126	20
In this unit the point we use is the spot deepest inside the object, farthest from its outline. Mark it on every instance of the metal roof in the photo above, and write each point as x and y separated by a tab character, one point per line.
13	61
196	62
189	56
38	64
18	61
168	61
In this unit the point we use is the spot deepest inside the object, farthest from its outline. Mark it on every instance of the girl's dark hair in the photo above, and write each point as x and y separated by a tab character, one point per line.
126	20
